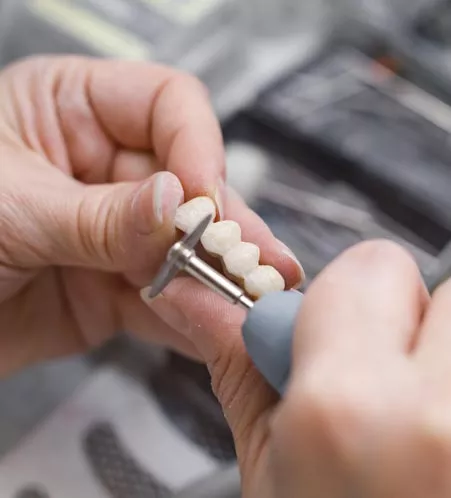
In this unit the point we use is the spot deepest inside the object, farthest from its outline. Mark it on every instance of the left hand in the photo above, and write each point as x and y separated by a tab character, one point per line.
95	157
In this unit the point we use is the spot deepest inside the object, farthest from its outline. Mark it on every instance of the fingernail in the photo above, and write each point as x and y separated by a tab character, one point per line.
157	201
288	252
219	199
168	312
144	293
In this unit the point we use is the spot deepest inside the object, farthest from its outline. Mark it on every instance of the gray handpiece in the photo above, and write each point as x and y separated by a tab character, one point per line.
268	335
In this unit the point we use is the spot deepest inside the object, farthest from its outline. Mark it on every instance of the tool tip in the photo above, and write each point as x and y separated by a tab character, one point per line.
151	294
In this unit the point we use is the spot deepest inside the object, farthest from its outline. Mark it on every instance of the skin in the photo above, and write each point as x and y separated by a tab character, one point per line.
367	410
84	144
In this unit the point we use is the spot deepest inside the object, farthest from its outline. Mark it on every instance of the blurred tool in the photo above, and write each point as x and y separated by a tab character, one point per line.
337	213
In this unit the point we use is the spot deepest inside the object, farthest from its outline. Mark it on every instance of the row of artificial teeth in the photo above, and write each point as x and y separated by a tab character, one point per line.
223	240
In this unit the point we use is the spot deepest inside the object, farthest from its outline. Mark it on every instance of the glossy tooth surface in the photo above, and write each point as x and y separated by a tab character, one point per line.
220	238
263	280
190	214
242	259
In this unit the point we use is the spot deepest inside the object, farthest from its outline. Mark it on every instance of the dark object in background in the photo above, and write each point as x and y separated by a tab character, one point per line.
117	471
183	389
127	28
424	48
358	122
317	216
434	22
32	492
80	27
195	35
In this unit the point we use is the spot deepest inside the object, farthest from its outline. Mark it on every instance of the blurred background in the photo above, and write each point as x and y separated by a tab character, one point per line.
338	113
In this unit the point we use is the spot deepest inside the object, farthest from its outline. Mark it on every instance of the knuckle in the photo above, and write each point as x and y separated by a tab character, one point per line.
26	62
337	409
235	383
222	370
386	252
11	218
332	403
189	83
22	230
231	379
97	229
83	227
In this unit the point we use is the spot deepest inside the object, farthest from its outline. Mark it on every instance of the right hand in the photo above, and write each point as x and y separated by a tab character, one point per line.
368	410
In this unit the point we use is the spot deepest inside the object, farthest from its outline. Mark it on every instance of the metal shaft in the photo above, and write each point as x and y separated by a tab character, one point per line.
186	260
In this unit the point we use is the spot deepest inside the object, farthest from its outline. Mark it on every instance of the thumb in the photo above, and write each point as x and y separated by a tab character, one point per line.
117	227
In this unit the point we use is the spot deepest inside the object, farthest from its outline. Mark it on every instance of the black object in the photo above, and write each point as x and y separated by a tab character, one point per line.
33	492
434	22
118	473
183	389
423	46
346	115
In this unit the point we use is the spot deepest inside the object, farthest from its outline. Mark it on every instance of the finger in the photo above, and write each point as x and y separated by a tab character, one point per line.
120	227
367	304
89	108
134	166
273	252
146	325
48	342
435	337
214	326
147	106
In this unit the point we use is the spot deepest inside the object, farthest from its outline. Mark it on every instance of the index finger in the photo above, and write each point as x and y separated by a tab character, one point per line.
148	106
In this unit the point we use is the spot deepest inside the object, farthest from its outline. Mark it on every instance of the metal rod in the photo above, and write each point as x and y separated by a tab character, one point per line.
182	257
186	260
217	282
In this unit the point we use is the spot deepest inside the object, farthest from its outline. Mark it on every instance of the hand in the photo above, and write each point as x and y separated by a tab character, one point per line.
95	157
368	408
